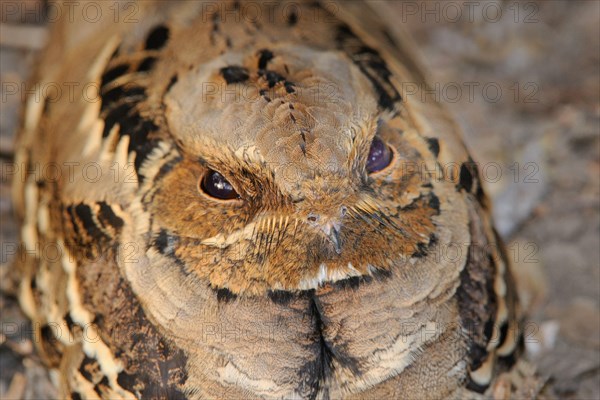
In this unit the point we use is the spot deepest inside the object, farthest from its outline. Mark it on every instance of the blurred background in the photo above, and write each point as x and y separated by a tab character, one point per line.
523	80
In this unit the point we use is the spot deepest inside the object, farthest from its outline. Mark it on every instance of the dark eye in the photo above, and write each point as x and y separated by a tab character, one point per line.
215	185
380	156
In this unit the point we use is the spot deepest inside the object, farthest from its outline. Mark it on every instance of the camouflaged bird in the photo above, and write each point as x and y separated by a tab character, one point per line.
250	209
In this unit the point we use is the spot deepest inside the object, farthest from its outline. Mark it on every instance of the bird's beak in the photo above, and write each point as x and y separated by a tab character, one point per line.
332	231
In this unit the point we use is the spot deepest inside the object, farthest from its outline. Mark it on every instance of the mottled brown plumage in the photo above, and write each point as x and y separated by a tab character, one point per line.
318	277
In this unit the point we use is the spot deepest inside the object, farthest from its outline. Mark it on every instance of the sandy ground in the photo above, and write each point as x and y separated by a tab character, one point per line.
523	79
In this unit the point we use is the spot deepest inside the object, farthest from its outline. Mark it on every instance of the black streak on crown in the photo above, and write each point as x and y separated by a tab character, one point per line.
234	74
271	77
264	56
289	87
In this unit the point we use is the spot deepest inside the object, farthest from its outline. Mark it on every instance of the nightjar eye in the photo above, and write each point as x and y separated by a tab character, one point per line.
215	185
380	156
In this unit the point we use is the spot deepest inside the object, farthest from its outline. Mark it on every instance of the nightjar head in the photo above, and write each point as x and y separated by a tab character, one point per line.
288	173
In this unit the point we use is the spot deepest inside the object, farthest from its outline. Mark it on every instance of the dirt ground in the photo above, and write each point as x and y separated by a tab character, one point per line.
523	79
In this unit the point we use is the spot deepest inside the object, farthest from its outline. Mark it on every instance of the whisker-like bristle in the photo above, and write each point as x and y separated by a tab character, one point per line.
270	233
295	228
283	223
369	212
261	237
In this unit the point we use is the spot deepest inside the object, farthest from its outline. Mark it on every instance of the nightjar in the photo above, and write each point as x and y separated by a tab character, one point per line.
236	199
